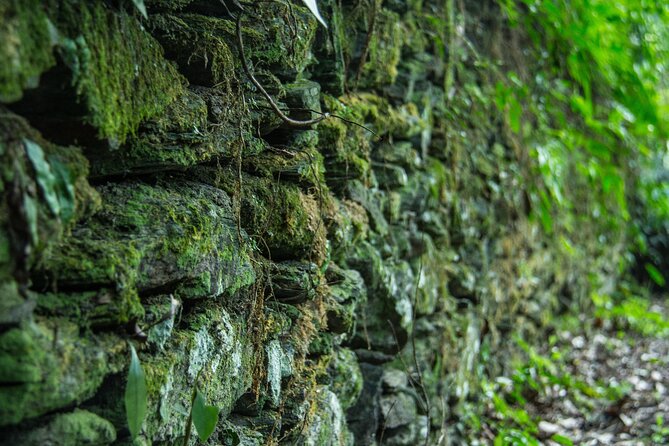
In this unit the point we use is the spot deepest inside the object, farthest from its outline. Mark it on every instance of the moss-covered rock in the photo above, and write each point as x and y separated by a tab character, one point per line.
285	221
326	422
214	353
205	46
77	428
26	46
346	295
117	67
45	192
347	378
44	367
144	237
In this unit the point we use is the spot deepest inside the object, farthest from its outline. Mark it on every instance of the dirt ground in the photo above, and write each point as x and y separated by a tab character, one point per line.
632	367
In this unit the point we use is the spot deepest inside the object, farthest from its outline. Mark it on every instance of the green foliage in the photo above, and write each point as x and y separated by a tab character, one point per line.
205	417
593	109
533	378
660	431
45	178
135	395
515	437
655	274
631	312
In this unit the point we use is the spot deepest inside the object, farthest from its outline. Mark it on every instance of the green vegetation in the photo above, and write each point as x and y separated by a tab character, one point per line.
491	172
591	106
535	377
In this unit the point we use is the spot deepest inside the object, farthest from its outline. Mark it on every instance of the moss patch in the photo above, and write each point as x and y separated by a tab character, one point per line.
118	69
146	237
26	41
43	368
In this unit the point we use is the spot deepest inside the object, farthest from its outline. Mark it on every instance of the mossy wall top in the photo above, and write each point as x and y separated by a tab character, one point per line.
150	195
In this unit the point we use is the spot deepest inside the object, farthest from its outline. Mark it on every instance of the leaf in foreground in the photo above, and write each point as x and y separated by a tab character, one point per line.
204	417
135	394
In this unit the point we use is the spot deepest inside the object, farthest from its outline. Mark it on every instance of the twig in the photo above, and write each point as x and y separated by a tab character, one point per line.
189	421
332	115
383	428
287	120
368	41
421	384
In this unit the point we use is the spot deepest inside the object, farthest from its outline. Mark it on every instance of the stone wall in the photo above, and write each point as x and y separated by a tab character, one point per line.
317	284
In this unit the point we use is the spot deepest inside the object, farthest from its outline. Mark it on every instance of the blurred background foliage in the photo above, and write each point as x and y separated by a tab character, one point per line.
593	114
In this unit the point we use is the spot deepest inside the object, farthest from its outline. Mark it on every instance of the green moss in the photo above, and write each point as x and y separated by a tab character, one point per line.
179	137
49	187
172	5
403	122
79	427
285	220
345	147
302	166
347	378
347	226
118	69
385	48
26	41
205	46
217	348
46	369
145	237
201	46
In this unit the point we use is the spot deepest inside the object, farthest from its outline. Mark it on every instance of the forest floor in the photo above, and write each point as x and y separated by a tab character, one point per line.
604	385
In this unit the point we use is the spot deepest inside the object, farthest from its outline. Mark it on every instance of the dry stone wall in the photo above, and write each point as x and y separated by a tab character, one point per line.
317	284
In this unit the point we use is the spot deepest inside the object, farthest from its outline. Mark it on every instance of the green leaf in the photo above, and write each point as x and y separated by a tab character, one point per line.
43	174
135	394
204	417
142	8
561	439
655	274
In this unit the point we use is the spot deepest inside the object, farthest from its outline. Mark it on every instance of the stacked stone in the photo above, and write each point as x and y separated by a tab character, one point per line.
338	284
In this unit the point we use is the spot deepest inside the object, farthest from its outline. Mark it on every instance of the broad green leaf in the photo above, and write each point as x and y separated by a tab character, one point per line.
135	394
313	7
142	8
655	274
44	176
204	417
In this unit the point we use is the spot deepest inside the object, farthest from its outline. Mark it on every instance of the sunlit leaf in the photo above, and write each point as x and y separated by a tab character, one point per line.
313	7
135	394
141	7
655	274
204	417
